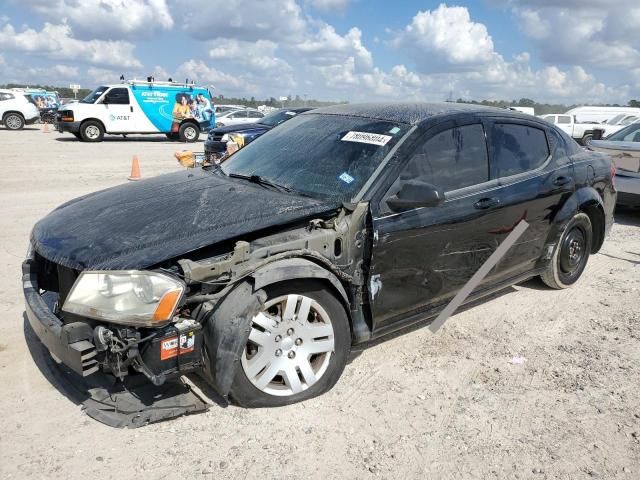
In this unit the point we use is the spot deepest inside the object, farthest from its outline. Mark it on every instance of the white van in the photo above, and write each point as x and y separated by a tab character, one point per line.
600	114
179	110
17	110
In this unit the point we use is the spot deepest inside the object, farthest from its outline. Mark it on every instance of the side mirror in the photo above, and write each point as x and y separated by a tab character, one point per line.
416	194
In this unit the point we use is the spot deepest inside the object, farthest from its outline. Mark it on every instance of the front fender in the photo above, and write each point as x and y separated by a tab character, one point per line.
297	269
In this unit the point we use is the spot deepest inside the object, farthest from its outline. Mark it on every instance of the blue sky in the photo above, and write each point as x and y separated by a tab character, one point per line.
568	51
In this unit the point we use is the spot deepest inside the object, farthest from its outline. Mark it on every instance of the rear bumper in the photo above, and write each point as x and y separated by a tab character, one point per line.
67	342
628	188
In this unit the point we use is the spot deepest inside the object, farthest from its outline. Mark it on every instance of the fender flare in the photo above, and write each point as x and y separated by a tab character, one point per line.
582	200
297	269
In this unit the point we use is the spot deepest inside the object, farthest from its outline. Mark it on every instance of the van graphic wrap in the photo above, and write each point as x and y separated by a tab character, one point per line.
167	107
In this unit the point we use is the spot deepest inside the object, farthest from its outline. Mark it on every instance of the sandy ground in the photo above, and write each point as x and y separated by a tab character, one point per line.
449	405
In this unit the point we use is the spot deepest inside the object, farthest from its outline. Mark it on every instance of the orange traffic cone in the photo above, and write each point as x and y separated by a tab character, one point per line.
45	129
135	169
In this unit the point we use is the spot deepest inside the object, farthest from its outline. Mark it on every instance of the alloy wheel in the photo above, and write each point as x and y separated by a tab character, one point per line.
290	345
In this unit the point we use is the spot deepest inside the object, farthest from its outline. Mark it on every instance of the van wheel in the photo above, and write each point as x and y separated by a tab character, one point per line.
91	131
13	121
189	132
297	348
571	254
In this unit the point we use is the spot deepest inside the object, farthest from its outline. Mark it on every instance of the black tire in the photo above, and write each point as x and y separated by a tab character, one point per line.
586	138
91	131
189	132
246	394
77	135
571	253
13	121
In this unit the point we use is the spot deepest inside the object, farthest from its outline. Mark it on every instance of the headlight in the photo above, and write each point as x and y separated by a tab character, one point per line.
128	297
225	138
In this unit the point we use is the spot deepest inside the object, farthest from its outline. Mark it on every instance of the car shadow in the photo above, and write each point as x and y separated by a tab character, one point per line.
22	129
628	216
144	139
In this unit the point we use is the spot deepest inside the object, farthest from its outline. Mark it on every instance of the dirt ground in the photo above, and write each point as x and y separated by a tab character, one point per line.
453	405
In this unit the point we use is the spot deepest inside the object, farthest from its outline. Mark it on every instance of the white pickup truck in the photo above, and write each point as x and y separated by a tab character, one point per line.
582	132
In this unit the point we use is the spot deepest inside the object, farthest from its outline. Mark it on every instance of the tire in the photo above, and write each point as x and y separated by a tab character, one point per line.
77	135
91	131
587	137
13	121
189	132
571	253
275	377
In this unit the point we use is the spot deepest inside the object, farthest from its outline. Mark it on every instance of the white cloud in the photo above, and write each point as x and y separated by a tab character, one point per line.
273	20
57	42
327	47
444	39
202	73
603	35
329	5
260	55
107	19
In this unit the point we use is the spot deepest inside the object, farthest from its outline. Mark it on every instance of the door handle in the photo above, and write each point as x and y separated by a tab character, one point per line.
131	109
560	181
485	203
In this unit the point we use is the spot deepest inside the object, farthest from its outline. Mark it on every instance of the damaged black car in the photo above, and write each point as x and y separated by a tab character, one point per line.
341	227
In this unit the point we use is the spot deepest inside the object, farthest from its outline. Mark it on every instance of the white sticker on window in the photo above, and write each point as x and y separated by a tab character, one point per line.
365	137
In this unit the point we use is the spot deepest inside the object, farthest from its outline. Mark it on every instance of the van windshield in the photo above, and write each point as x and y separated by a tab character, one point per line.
95	95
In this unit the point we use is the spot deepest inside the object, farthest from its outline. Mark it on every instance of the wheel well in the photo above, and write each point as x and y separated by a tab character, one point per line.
93	120
192	121
4	115
596	215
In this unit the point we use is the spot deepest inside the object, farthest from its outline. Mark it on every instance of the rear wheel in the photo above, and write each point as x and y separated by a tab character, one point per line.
587	137
91	131
189	132
13	121
571	254
297	348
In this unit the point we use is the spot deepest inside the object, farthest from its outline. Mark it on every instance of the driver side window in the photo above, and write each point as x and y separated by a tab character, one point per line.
452	159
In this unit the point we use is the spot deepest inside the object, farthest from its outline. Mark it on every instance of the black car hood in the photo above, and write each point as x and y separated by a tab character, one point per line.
137	225
242	127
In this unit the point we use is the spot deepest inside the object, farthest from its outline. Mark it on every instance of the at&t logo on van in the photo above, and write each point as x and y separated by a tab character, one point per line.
113	118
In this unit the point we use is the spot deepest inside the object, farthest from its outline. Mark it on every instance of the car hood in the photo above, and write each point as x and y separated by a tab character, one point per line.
242	127
134	226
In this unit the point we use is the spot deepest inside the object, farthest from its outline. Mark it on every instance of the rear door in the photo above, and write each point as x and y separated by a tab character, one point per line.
119	115
535	176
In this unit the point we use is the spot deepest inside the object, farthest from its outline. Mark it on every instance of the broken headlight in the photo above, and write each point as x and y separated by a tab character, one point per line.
137	298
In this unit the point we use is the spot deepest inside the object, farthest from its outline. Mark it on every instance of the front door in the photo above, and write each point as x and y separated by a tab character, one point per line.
422	257
120	116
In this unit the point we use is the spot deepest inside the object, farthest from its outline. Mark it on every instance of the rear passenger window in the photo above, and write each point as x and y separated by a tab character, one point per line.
564	119
518	148
452	159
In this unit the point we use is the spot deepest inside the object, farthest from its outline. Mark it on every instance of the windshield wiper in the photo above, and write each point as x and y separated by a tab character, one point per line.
262	181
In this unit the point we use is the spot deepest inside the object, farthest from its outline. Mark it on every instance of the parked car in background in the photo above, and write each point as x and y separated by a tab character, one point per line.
17	109
615	124
235	117
600	114
220	109
341	227
580	132
215	146
624	149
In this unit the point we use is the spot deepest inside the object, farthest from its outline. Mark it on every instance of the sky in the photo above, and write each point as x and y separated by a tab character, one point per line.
564	51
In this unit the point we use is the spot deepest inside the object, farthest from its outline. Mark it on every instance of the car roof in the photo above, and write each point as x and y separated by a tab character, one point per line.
412	113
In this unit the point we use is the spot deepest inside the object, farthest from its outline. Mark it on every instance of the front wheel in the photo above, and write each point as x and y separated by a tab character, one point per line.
297	348
13	121
571	253
189	132
91	131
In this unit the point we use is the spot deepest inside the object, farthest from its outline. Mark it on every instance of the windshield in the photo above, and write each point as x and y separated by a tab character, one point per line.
627	134
276	118
322	156
614	120
95	95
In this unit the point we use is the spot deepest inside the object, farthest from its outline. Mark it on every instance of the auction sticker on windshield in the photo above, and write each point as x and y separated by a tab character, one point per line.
365	137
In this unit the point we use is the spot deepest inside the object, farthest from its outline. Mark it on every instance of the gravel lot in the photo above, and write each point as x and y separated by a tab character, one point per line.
449	405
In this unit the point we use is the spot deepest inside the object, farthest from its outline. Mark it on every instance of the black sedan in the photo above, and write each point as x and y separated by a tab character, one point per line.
343	226
216	144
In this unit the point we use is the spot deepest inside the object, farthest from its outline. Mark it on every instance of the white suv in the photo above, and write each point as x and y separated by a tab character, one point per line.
16	110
